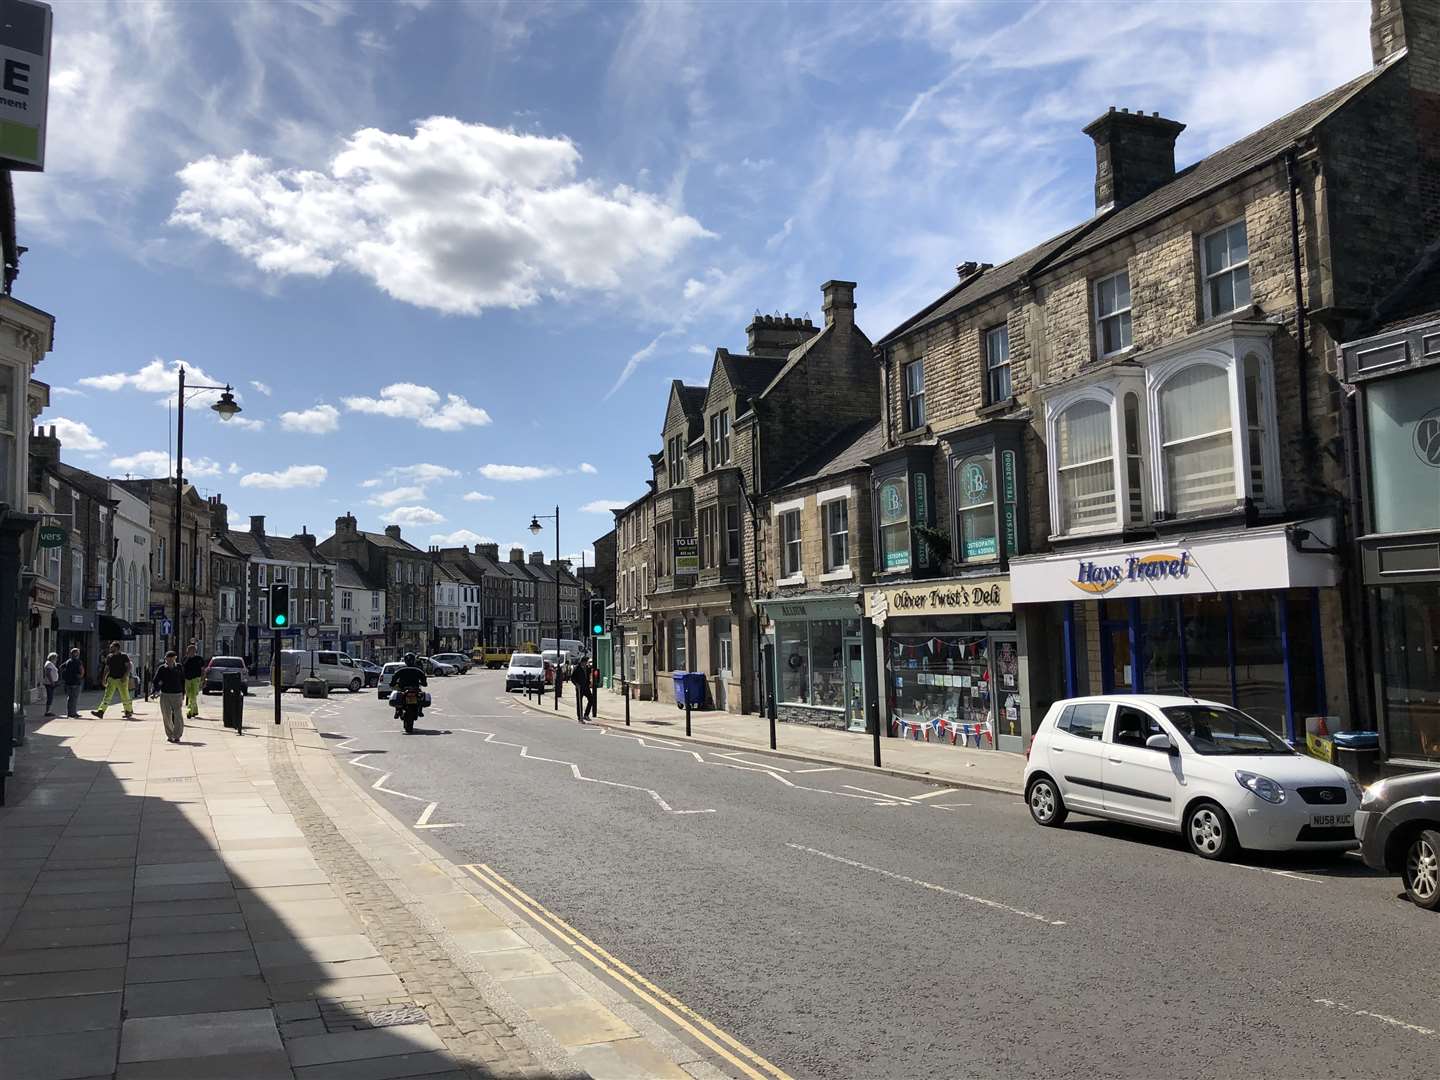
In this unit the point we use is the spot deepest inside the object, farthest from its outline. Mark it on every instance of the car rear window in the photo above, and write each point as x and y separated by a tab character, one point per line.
1084	721
226	661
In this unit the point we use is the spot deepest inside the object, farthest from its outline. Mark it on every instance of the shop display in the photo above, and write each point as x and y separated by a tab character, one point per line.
946	687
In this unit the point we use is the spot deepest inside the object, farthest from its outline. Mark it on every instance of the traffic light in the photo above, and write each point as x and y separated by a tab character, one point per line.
597	617
280	606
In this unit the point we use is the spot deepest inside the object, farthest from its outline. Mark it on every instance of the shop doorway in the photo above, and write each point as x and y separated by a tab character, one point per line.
854	684
724	664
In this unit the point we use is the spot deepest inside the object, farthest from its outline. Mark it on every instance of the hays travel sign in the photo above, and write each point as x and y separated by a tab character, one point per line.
1098	578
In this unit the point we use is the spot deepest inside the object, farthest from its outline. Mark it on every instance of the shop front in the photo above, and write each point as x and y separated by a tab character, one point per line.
819	659
1237	617
953	665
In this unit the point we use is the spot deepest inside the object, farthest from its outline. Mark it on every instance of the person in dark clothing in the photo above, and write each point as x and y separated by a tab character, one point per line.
170	685
411	676
194	669
580	676
592	691
72	677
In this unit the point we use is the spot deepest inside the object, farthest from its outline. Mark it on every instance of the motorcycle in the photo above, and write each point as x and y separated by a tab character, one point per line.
409	708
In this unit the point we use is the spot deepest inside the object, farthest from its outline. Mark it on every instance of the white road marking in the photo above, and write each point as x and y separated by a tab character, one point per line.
949	806
735	756
1291	874
822	768
379	786
932	794
882	794
1415	1029
994	904
359	763
423	821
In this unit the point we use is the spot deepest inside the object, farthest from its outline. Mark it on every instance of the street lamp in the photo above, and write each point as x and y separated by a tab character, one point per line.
227	407
535	528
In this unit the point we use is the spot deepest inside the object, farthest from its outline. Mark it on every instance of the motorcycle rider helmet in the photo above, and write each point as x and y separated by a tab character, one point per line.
410	659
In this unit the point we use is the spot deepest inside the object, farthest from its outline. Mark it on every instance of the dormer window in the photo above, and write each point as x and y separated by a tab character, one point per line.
1112	314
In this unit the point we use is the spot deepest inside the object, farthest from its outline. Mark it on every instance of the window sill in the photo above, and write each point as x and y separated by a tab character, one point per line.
846	574
998	407
798	579
1118	354
1088	534
915	433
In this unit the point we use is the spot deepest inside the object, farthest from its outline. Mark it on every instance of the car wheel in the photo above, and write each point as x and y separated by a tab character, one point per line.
1208	831
1046	805
355	686
1422	870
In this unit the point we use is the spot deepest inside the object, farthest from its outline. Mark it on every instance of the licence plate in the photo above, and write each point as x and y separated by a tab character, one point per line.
1332	821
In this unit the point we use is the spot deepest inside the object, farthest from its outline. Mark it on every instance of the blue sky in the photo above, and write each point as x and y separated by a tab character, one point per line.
516	223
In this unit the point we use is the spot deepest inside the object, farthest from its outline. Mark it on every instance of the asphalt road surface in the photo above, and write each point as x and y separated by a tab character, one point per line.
848	924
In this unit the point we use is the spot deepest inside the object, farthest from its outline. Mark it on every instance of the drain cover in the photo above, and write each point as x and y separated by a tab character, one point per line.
396	1015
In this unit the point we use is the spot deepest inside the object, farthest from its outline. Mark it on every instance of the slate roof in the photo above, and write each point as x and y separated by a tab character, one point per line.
97	487
348	575
280	548
1209	173
750	375
848	449
384	540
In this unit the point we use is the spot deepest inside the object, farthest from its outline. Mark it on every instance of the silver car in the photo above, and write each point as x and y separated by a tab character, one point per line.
1398	824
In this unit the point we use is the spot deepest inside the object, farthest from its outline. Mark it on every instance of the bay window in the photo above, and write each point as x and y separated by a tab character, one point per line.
976	536
1085	465
732	534
1196	449
894	525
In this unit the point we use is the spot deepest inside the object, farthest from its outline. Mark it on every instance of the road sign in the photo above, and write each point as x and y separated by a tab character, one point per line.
157	611
312	632
48	536
166	628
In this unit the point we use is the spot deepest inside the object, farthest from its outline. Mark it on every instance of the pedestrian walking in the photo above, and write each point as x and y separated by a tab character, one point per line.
51	678
72	677
580	676
194	671
592	693
117	682
170	684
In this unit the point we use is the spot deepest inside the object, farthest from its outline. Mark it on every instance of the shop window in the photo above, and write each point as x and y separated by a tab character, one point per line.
943	688
1112	314
827	664
1195	440
894	520
1206	622
1402	420
1085	466
914	395
793	657
1408	618
1260	658
790	544
1226	256
997	365
836	516
1159	626
975	521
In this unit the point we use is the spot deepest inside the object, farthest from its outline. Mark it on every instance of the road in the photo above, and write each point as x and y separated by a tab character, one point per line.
847	924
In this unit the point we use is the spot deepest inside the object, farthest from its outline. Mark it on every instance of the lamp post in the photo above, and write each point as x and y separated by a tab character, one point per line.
535	528
227	407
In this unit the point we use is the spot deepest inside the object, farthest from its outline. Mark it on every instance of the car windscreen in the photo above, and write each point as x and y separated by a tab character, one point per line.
525	661
1213	730
226	661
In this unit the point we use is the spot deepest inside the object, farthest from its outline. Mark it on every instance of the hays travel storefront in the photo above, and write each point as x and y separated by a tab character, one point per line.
1237	616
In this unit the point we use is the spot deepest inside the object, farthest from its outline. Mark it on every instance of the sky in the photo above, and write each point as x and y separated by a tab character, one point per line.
451	256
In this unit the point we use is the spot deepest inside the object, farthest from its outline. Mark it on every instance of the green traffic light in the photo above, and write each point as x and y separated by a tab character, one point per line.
281	620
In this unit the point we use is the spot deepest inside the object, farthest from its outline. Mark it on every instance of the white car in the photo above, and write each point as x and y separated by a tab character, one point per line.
526	669
1208	771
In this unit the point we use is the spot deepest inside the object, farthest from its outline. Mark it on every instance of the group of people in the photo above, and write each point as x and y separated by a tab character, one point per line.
586	677
176	682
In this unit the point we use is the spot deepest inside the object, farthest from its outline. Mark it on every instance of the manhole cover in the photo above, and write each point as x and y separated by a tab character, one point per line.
168	779
396	1015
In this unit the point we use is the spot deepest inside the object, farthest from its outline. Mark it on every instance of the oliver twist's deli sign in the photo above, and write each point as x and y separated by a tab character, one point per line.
976	596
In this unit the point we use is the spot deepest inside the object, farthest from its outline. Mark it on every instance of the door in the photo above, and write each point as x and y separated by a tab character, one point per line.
1077	753
724	662
854	685
1140	783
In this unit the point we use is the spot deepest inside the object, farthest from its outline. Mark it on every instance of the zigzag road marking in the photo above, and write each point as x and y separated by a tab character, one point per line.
491	737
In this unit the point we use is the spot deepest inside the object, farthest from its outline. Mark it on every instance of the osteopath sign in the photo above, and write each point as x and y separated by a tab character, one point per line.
1098	578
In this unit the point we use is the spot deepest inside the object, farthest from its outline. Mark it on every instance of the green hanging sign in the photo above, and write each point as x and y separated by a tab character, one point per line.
50	536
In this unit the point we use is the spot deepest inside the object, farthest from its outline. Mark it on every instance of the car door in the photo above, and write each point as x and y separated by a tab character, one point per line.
1075	753
1141	783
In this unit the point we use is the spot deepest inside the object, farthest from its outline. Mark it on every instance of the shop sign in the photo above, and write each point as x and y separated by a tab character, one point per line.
1008	513
92	594
978	597
51	536
1427	439
922	517
1100	578
892	512
687	555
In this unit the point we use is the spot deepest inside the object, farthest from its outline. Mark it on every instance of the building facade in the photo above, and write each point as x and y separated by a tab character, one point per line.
192	618
359	610
293	560
634	631
406	572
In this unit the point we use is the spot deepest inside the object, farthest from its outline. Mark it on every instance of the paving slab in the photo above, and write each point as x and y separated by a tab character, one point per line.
363	1045
37	961
196	996
263	1065
61	1057
56	1015
377	986
426	1063
278	954
190	944
172	968
199	1035
187	924
626	1059
54	937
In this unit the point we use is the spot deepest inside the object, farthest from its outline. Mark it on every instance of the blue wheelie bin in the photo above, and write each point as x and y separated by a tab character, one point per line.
690	687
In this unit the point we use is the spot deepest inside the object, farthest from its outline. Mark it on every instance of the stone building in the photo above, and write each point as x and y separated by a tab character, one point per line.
525	593
406	571
359	610
1119	452
481	567
634	631
192	615
293	560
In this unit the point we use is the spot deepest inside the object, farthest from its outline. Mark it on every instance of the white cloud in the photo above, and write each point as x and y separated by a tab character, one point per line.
75	435
414	515
263	388
588	469
603	506
319	420
66	391
407	401
701	350
422	473
296	476
155	464
510	473
460	538
457	217
234	468
477	496
396	496
245	423
161	379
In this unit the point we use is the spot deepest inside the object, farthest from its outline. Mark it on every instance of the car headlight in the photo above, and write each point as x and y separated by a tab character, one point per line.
1355	788
1374	793
1262	786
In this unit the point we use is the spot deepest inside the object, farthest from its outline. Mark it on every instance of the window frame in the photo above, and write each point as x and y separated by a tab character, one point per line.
838	567
914	399
734	538
1107	396
958	507
1102	317
994	366
791	528
1209	274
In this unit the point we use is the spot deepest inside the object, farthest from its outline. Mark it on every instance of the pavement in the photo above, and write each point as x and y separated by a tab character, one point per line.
234	906
939	762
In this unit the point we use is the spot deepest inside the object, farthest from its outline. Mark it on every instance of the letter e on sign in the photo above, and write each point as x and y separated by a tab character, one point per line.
24	83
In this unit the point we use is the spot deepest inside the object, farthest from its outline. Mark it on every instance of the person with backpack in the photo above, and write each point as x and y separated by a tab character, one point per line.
51	679
72	677
117	682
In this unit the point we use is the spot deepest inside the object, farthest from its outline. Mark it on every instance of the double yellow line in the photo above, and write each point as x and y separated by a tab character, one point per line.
677	1012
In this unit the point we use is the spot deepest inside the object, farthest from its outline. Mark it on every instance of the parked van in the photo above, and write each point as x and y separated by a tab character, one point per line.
339	671
571	648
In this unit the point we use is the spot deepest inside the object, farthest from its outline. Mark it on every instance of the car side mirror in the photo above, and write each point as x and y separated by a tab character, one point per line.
1162	742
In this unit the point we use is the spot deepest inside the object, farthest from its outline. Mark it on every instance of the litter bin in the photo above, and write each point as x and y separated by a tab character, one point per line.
232	690
689	689
1358	753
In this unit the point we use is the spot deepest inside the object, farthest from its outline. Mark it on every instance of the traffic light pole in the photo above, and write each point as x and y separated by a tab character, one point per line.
275	670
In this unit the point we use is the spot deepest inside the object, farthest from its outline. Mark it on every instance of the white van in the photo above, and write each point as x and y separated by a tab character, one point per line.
339	671
571	648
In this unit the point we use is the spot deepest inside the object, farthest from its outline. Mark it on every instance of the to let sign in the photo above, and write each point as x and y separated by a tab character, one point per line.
24	83
687	555
50	536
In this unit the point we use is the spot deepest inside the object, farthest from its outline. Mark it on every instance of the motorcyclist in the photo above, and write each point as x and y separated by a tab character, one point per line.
411	676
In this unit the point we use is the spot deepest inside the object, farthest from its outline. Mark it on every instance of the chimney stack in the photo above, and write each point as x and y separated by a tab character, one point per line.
490	551
775	335
393	531
257	524
306	537
219	515
1134	155
346	526
537	558
839	303
517	555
